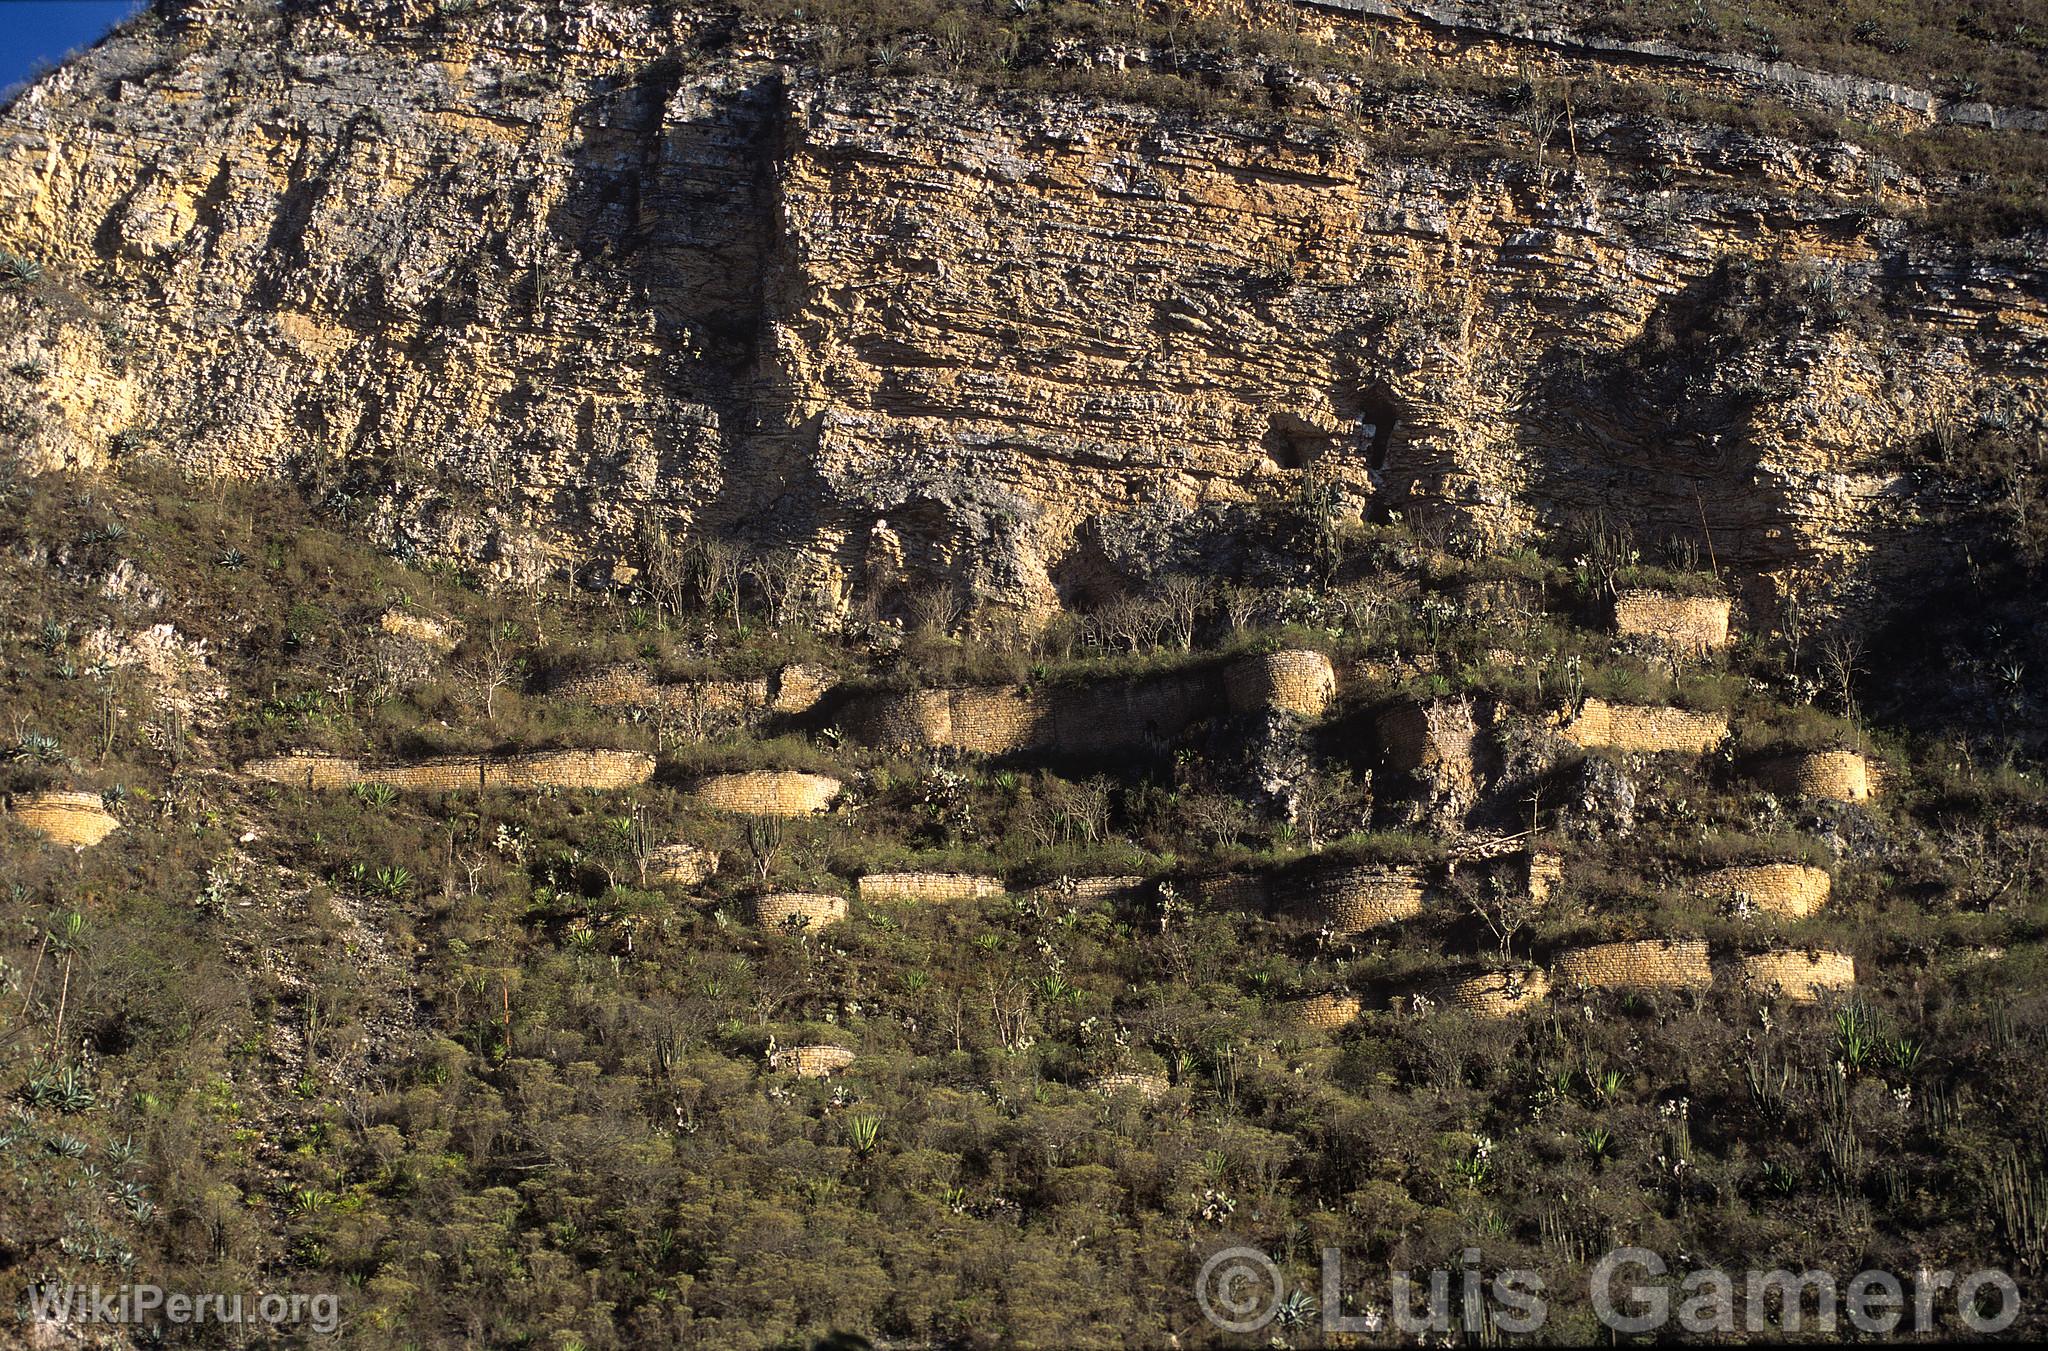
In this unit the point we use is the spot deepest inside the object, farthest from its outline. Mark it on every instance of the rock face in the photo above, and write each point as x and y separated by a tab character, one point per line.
517	280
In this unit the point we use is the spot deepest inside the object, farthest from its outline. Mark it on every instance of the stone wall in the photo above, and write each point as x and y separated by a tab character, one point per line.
1843	776
1355	900
767	792
68	818
794	689
1653	964
681	865
1544	873
811	1062
1323	1012
1428	738
1295	681
1645	729
784	908
1801	976
1786	890
302	770
1247	892
600	770
1011	719
1147	1087
1496	994
929	887
1693	625
1086	890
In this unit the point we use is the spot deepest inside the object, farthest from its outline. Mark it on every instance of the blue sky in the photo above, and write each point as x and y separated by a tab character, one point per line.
44	30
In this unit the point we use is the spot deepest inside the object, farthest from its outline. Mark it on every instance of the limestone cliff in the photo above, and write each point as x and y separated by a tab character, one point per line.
505	285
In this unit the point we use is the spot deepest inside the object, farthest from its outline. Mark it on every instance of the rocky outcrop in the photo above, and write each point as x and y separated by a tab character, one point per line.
516	283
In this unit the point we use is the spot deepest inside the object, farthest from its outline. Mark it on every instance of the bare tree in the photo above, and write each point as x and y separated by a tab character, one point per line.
1841	658
935	610
1181	597
667	566
494	667
1504	908
717	568
1319	798
1240	605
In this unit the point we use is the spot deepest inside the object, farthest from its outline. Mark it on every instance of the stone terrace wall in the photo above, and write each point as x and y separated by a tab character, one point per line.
68	818
681	865
603	770
1645	729
929	887
811	1062
1497	994
301	770
1788	890
815	908
1799	976
1299	682
1149	1087
1354	900
1009	719
1082	890
1841	775
1688	624
1415	738
1323	1012
1248	892
767	792
1648	965
794	689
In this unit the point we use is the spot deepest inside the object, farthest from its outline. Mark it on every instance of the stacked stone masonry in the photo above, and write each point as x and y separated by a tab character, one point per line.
68	818
1645	729
928	887
1784	890
1295	681
795	689
1147	1087
1843	776
798	909
1008	720
1088	890
1419	738
1355	900
767	792
1693	625
1544	876
602	770
1497	994
811	1062
681	865
1799	976
1323	1012
1655	964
